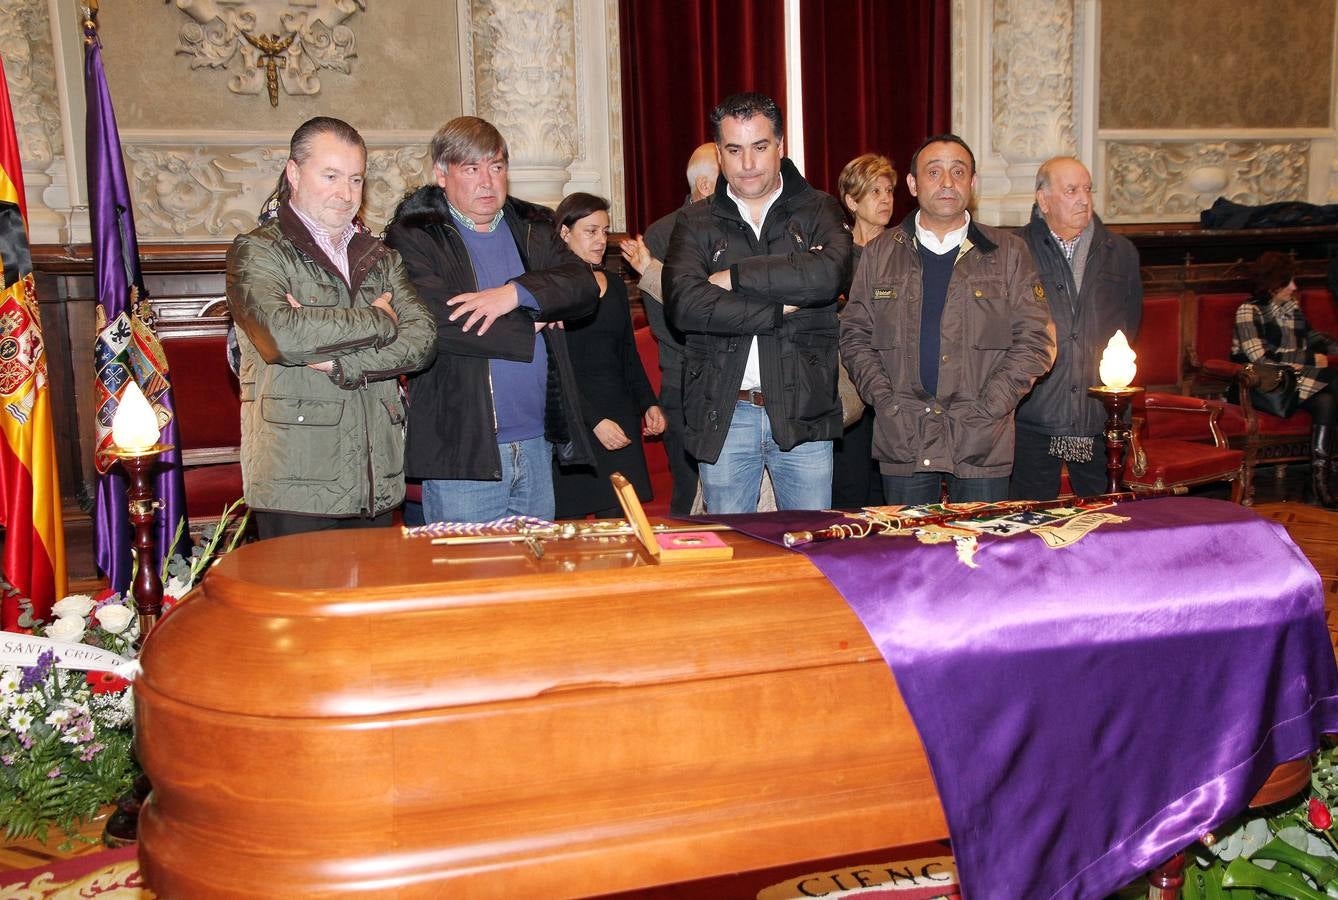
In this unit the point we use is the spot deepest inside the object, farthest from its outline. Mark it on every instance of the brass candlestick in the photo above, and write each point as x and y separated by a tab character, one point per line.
1116	400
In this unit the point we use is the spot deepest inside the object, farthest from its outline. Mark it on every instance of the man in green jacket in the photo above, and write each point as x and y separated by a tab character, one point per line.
327	321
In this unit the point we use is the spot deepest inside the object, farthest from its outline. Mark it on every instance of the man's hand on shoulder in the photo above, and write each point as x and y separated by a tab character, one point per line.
484	306
722	280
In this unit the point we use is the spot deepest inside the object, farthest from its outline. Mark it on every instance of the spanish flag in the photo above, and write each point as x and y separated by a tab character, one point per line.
34	554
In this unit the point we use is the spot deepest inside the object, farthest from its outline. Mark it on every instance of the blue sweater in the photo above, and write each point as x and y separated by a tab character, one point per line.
937	272
519	390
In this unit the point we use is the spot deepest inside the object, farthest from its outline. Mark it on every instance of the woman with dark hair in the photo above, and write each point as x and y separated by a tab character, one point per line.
865	187
1271	328
617	402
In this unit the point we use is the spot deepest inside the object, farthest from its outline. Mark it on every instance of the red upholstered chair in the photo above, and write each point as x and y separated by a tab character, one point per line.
208	408
1159	343
1321	310
1176	441
1263	437
657	463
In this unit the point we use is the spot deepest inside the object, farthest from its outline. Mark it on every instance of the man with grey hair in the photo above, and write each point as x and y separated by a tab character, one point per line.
500	404
646	255
1093	288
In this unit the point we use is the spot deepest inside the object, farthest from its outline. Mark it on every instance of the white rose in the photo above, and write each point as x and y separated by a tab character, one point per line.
114	617
73	605
66	628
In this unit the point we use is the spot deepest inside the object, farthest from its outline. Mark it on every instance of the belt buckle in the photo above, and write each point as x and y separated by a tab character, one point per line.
756	398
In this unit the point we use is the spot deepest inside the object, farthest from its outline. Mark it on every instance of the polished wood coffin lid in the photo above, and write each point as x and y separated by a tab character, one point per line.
359	712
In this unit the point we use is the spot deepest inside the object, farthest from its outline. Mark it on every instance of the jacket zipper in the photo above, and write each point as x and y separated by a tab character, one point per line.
492	397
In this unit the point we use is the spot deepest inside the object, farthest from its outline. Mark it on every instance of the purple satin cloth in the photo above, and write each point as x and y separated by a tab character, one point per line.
116	268
1089	711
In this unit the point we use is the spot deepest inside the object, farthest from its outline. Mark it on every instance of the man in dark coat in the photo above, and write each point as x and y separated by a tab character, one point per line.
1093	287
752	277
646	255
500	402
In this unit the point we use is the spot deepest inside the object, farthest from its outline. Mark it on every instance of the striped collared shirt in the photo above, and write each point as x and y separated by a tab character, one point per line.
335	247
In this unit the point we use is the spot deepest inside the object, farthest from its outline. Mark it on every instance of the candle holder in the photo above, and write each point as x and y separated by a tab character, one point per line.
122	826
147	588
1116	400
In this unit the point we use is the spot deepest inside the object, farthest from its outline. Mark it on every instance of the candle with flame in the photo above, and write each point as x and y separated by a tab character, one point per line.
1117	363
134	426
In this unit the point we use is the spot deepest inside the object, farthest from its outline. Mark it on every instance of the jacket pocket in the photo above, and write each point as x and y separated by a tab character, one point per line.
979	439
392	466
304	437
809	372
315	293
989	318
888	308
895	432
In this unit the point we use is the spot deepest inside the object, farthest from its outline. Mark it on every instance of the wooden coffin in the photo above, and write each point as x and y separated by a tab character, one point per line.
364	713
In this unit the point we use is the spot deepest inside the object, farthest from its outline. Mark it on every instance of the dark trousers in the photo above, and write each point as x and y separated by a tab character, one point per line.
682	466
855	479
1323	406
272	524
1036	472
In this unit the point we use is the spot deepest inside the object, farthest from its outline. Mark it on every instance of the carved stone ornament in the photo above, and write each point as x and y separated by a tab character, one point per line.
1032	53
1178	180
524	57
201	192
25	44
269	43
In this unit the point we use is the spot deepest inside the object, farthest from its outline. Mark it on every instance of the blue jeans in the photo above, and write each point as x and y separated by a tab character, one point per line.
926	487
525	489
801	477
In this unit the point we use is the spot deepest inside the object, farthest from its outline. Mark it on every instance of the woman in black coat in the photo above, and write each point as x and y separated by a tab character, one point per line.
617	402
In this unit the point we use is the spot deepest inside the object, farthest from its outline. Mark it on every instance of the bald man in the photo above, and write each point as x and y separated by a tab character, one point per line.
1092	284
646	255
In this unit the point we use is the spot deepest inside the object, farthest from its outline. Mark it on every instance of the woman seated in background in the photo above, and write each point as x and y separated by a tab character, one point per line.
865	187
617	402
1271	328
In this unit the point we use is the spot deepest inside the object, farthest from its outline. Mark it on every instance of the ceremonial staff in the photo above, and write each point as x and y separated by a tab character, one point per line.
889	526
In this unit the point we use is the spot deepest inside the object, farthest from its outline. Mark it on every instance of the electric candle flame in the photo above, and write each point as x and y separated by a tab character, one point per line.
1117	362
134	426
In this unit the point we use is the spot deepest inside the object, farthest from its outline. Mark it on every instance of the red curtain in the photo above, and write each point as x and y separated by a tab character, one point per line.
680	58
877	79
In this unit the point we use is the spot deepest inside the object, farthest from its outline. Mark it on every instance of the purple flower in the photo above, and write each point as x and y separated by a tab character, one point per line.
7	759
92	750
54	773
35	674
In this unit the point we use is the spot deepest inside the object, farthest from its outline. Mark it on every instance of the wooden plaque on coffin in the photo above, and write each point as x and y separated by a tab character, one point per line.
360	712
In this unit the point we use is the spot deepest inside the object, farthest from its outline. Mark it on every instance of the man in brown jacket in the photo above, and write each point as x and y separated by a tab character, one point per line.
945	330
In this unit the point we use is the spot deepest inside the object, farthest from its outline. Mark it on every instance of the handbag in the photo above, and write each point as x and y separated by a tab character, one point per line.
1277	393
852	407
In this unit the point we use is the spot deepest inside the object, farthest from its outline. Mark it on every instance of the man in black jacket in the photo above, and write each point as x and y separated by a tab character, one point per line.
488	418
751	277
1093	287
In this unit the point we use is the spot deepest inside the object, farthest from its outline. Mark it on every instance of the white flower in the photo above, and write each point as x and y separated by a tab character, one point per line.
10	680
115	617
21	721
177	587
68	628
58	716
73	605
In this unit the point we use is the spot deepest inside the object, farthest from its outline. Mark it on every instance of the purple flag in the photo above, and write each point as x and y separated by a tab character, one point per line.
126	346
